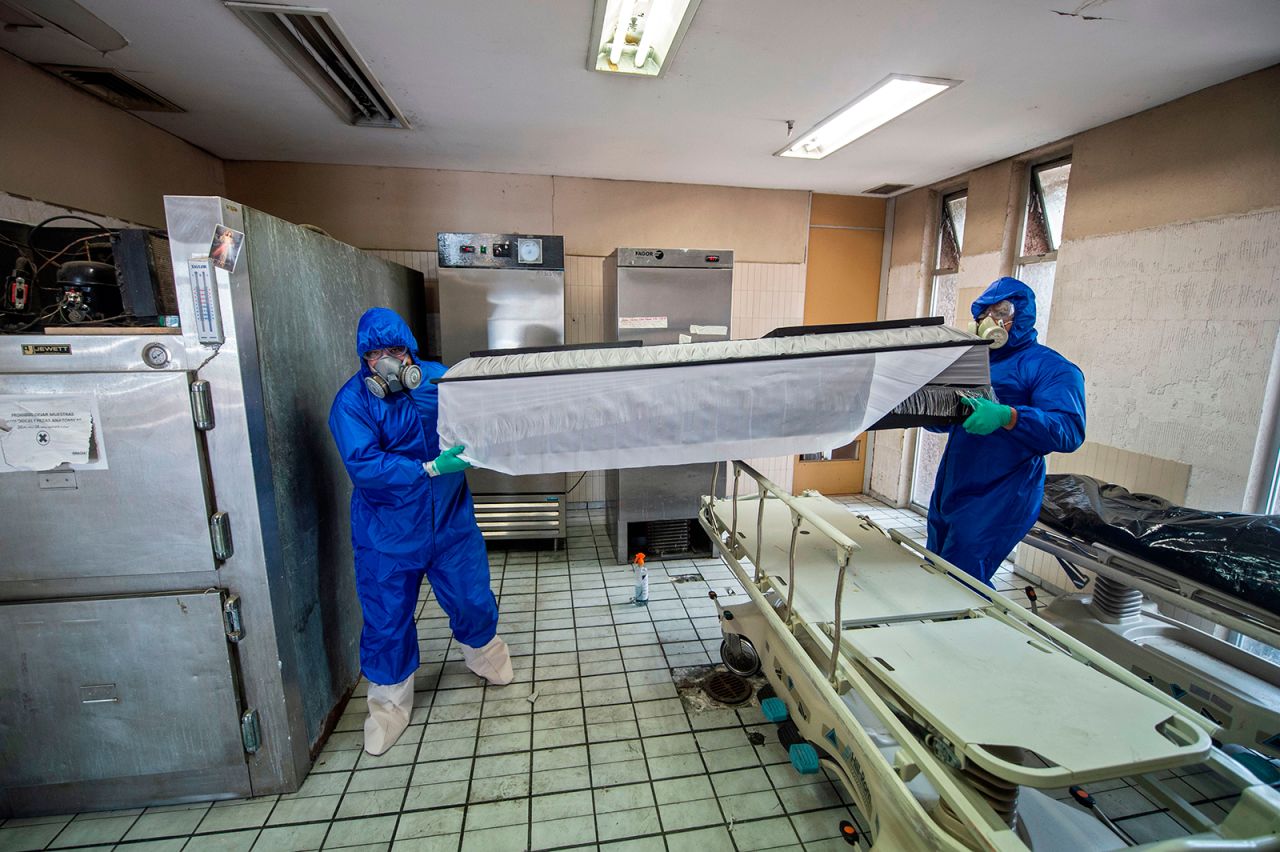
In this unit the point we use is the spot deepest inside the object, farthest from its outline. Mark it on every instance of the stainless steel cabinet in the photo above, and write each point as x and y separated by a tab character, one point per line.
662	296
505	291
181	622
134	691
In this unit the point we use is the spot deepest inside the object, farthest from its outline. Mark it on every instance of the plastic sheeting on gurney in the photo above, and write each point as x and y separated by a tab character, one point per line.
592	409
1234	553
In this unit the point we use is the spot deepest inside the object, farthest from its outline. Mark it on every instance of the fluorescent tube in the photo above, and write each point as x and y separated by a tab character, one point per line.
620	32
660	24
890	98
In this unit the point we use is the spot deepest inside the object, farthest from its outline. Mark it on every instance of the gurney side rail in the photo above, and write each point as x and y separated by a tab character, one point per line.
845	546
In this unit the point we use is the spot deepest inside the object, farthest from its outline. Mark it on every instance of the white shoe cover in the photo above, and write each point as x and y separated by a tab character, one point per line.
389	710
492	662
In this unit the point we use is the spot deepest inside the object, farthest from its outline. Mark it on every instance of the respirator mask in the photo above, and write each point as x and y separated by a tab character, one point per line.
989	327
390	374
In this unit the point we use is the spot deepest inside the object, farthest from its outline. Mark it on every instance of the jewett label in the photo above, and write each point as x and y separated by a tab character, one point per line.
46	349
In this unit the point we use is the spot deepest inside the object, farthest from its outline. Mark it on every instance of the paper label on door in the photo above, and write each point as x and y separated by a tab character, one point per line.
722	330
684	338
642	322
42	432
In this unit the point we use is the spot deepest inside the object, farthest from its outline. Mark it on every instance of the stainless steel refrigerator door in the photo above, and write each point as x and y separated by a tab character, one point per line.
499	309
679	299
661	304
106	703
93	525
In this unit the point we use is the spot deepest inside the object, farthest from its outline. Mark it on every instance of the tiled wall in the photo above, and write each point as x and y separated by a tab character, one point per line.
423	261
765	296
583	299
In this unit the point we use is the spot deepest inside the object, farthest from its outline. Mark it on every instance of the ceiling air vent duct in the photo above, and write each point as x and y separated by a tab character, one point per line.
313	45
113	87
887	189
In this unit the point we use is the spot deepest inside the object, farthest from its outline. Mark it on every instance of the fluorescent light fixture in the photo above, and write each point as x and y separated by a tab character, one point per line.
890	98
638	37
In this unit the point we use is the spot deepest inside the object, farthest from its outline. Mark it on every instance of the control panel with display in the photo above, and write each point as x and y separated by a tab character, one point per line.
500	251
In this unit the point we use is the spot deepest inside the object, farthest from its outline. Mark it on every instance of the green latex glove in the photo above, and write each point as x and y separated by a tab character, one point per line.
447	462
987	416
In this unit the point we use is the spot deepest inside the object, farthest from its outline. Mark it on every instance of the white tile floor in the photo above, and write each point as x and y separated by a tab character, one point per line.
589	748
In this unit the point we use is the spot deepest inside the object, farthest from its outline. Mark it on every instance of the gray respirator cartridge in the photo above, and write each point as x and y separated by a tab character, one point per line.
390	376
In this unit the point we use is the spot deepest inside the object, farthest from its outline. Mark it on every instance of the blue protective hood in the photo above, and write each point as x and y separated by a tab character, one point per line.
379	328
1023	299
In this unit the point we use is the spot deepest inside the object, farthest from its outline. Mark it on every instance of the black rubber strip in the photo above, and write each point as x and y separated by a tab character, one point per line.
567	347
839	328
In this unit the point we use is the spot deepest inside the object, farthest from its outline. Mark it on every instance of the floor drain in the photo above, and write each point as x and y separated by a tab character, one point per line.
727	688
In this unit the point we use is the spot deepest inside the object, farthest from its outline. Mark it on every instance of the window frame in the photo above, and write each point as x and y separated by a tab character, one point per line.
1031	186
944	223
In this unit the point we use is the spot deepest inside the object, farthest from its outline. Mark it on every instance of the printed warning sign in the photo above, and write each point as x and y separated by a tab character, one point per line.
42	432
642	322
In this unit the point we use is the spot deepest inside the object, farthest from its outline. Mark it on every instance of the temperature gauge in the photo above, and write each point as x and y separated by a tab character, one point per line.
529	250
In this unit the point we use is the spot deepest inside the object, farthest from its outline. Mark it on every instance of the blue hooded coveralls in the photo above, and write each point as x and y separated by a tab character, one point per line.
405	523
989	487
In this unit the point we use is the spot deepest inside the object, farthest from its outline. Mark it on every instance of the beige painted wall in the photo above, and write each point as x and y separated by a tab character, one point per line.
1167	292
393	208
397	208
911	244
758	225
67	148
1212	153
993	196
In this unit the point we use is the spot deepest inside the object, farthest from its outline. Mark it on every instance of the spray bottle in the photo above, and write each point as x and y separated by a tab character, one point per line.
642	581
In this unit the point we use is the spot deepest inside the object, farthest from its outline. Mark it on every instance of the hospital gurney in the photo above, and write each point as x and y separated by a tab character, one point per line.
1236	690
943	708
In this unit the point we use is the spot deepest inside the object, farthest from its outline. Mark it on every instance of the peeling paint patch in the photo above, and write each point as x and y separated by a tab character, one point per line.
1080	10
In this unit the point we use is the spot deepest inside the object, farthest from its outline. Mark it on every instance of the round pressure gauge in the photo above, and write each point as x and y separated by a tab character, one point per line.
529	251
155	355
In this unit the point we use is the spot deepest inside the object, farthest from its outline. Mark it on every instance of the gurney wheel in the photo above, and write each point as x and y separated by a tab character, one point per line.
744	661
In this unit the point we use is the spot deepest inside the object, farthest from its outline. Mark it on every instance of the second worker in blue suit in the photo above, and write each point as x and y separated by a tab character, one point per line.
411	515
991	479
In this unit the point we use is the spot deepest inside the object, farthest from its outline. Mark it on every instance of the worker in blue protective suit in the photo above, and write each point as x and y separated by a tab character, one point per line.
411	514
991	478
